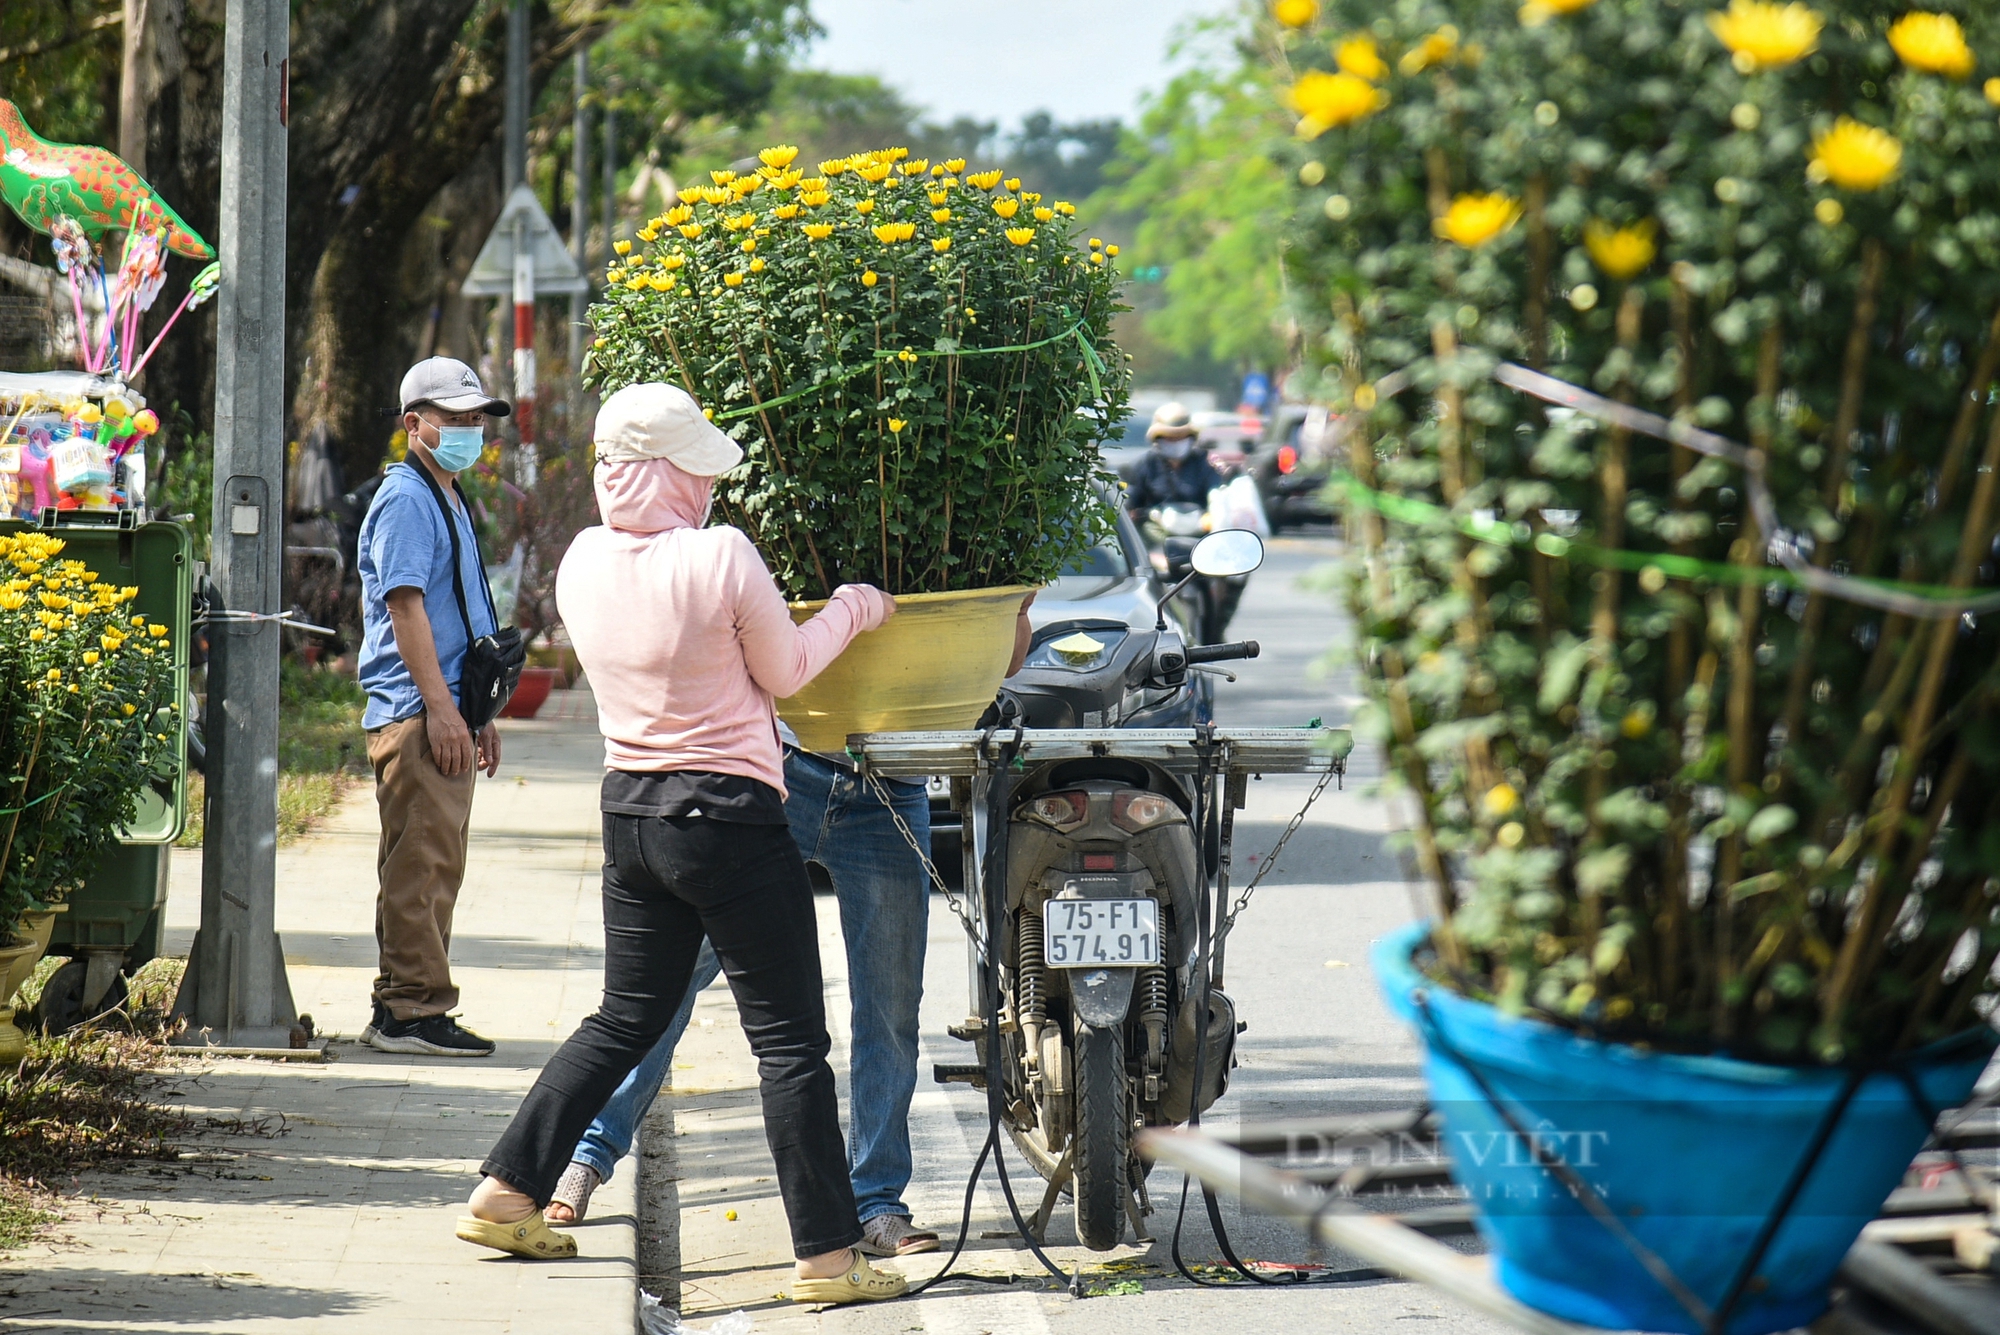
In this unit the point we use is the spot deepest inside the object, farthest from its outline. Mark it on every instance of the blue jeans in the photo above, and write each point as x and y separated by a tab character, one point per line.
884	897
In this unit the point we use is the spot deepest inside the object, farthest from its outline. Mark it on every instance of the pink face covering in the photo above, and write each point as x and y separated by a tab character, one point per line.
652	496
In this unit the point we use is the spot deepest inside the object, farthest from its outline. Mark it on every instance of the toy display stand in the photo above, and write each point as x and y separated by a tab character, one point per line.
73	441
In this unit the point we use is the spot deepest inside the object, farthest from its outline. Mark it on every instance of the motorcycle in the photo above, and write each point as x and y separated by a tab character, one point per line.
1098	968
1173	530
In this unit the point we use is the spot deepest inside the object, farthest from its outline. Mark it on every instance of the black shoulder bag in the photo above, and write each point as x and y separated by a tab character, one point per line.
493	663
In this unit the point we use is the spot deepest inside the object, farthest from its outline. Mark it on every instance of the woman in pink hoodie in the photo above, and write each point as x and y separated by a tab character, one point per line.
687	641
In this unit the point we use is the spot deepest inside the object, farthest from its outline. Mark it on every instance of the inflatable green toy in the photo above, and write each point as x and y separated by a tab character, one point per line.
43	181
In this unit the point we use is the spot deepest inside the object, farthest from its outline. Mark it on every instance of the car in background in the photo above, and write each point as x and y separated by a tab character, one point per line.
1228	437
1291	463
1122	452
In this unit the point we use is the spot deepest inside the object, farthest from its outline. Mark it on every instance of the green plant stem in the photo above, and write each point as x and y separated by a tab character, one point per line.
1859	944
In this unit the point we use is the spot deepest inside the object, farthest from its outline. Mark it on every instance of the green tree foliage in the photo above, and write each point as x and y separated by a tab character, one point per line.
1203	201
59	64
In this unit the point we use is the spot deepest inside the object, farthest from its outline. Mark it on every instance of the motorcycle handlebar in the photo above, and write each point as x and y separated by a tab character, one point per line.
1217	653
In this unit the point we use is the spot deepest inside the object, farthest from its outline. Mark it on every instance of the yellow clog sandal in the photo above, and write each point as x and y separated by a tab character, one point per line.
861	1284
531	1237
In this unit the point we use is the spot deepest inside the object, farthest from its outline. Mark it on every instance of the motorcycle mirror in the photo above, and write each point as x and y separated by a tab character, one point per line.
1232	552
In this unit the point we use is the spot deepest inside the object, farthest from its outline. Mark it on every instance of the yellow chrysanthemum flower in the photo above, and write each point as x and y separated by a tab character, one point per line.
732	280
11	601
984	180
1295	13
785	212
38	634
757	265
649	233
890	233
636	283
872	172
1020	236
1992	90
1067	209
1933	43
894	154
864	206
740	222
940	215
1434	50
90	658
678	214
869	278
749	245
1045	215
1621	252
1111	251
941	245
1013	183
1500	799
622	247
1097	257
813	199
661	282
691	230
937	197
1359	56
722	177
818	231
1855	156
1763	36
1325	101
833	166
1007	208
128	710
915	167
954	165
1537	12
778	155
672	262
55	674
744	185
1473	220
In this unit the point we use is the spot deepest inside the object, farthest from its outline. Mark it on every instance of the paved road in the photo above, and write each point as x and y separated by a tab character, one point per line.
1319	1041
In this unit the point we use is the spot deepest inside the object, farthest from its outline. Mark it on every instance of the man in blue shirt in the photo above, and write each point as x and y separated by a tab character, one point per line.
425	757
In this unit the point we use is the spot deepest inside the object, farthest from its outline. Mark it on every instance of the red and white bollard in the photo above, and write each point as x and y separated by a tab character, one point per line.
524	352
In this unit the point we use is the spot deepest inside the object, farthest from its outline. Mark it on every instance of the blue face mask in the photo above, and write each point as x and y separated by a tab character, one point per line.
458	447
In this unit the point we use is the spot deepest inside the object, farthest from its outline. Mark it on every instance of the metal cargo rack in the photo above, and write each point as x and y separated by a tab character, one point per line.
1927	1264
917	755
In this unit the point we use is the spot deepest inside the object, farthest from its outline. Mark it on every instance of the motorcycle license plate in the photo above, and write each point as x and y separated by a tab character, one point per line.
1087	933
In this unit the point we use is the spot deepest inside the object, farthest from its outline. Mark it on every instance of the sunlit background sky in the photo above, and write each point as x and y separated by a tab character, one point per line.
1000	59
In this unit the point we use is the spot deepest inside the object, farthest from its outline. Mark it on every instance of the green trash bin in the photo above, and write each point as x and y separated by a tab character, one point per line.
113	922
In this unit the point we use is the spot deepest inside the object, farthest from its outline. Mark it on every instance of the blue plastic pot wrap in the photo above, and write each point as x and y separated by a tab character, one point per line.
1691	1153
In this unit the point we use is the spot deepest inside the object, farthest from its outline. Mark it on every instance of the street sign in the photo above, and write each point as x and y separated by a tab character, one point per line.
555	273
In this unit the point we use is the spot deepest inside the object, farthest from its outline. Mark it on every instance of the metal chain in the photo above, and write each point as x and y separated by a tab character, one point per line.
923	854
1271	859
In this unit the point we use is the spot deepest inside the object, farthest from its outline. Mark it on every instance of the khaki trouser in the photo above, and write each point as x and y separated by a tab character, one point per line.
426	819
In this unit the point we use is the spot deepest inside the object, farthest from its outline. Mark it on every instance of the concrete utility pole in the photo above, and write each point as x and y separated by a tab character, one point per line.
610	179
579	218
236	992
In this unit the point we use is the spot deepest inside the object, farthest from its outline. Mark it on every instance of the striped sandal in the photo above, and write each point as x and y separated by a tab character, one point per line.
573	1191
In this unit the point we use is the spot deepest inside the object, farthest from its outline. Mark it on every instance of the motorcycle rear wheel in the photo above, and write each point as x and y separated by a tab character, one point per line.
1103	1137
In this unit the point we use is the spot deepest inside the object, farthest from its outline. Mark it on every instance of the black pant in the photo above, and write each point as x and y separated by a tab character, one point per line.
668	880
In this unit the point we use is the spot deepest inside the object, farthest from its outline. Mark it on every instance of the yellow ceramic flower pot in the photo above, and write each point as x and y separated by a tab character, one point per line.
18	960
934	665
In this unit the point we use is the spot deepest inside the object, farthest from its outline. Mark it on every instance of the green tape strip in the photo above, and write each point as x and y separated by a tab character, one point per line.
1407	510
1075	330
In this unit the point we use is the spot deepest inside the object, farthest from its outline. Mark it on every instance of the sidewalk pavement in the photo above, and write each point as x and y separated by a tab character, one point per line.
332	1209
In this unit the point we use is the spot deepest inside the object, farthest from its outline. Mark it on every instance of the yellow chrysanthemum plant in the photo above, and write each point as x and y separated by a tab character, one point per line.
811	313
87	718
1741	704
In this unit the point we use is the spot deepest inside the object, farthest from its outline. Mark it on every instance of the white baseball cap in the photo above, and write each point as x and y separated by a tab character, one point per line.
659	421
451	385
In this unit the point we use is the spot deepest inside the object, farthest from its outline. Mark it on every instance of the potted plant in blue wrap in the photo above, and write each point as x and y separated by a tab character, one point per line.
1667	339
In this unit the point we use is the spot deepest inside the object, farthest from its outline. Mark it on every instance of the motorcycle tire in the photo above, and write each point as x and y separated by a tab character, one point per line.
61	1007
1103	1137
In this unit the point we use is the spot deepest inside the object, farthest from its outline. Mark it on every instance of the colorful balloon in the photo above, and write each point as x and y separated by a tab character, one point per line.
43	181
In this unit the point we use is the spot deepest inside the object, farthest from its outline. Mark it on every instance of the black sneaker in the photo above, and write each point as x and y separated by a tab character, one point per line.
374	1026
435	1035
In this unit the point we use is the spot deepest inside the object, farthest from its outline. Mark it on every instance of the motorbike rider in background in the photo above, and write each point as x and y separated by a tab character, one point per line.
1168	500
1173	469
